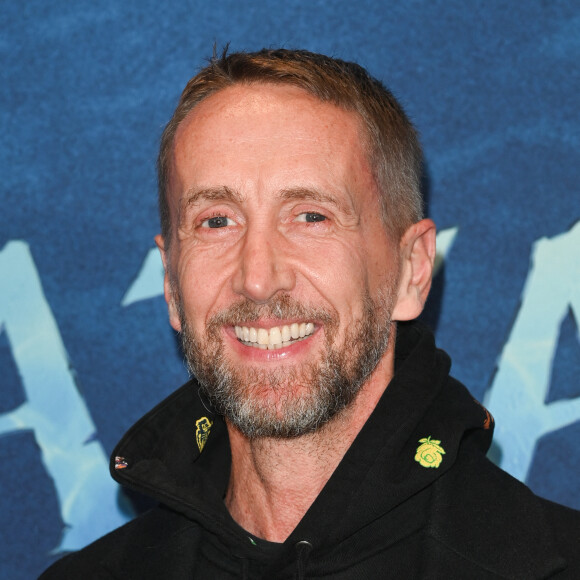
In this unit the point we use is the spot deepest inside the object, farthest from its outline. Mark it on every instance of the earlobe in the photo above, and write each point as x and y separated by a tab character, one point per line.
417	251
167	287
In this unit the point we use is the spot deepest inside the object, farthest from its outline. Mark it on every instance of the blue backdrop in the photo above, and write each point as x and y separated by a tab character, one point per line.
85	347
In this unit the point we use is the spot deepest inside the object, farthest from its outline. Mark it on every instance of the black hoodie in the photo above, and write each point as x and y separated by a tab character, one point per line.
414	497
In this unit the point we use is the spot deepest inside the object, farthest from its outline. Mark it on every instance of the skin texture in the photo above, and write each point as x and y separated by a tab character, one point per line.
267	158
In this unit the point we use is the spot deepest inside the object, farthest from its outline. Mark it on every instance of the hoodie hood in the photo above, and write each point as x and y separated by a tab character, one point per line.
411	439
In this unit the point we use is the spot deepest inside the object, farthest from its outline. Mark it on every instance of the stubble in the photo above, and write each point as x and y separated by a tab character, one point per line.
288	401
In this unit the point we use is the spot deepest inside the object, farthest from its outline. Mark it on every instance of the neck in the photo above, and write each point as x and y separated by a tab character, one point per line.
273	482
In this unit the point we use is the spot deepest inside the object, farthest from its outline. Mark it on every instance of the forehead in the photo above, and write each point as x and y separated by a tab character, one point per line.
278	101
267	132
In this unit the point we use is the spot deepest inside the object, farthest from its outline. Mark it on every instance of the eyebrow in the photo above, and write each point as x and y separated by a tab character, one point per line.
301	193
223	193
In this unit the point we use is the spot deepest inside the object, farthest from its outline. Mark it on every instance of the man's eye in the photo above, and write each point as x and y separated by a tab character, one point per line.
219	221
310	217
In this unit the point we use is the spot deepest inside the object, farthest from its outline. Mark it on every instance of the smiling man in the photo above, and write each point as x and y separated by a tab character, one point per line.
322	436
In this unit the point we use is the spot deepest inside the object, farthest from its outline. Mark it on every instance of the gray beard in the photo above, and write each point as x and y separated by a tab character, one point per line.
287	402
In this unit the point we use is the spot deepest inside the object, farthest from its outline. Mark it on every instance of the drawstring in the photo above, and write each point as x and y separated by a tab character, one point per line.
303	549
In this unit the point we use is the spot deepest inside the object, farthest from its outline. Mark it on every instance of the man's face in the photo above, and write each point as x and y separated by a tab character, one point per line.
283	277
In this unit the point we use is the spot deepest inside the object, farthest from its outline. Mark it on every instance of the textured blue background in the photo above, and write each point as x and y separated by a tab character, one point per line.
85	89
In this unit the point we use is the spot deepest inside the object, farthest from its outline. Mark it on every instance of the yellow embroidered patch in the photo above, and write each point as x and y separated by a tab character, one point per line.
429	453
202	430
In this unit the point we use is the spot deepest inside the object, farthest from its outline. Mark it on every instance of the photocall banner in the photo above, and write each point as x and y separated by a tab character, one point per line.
85	345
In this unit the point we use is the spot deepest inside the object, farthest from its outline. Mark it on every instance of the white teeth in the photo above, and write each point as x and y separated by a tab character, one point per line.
263	337
275	337
286	335
295	330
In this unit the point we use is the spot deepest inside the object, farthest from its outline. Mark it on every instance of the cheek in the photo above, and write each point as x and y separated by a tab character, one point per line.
381	259
338	274
201	282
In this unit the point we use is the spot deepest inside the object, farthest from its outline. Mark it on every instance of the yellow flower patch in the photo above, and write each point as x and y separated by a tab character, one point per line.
429	453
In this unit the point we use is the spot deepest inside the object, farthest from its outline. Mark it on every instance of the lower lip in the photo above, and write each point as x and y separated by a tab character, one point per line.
264	355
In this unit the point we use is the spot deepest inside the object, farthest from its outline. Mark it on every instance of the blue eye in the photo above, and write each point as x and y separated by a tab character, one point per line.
219	221
310	217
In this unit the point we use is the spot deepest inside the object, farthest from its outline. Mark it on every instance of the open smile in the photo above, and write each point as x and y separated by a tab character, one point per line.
275	337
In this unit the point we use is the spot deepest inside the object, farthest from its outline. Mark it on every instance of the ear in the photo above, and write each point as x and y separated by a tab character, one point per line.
167	289
417	252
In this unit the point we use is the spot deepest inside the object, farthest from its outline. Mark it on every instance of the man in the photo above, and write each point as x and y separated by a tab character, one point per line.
322	436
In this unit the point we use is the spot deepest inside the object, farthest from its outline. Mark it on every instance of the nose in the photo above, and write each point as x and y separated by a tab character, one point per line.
264	268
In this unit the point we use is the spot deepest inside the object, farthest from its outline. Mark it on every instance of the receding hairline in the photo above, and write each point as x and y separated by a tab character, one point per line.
362	133
389	139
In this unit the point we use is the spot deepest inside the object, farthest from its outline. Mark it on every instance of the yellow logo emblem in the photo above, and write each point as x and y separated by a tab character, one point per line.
202	430
429	453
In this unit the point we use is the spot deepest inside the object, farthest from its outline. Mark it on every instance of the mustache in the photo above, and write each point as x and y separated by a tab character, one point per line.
282	306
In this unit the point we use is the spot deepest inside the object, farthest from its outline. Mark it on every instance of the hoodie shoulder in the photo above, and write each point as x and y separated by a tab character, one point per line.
565	523
495	521
147	547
